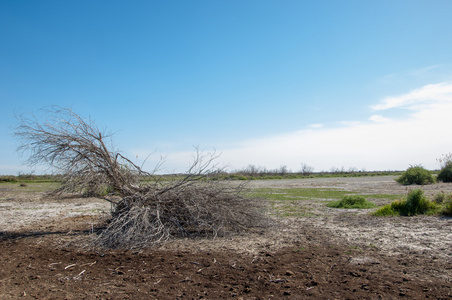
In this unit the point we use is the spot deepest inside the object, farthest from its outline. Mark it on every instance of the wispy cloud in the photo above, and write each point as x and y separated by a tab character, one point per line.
379	119
433	73
317	125
418	98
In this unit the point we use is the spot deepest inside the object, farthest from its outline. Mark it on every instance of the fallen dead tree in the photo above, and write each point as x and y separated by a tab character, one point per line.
206	209
148	211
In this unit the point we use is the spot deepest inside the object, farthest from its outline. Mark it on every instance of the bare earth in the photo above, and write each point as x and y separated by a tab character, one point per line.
328	254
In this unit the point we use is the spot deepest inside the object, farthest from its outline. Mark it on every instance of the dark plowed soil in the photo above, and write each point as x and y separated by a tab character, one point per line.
32	267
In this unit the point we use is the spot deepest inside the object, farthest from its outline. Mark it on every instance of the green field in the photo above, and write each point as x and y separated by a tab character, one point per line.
291	202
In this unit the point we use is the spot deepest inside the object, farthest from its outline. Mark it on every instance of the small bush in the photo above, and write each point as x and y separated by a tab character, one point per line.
439	198
352	202
416	175
444	200
385	211
415	204
445	174
442	197
448	208
398	206
8	179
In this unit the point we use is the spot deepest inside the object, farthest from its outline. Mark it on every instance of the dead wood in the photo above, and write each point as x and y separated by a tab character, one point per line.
151	208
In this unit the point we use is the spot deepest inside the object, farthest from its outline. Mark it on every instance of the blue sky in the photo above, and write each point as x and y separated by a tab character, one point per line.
363	84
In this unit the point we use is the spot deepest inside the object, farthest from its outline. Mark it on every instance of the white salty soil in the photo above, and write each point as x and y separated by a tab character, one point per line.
426	236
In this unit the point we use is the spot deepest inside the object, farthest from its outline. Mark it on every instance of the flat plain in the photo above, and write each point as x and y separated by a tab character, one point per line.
310	251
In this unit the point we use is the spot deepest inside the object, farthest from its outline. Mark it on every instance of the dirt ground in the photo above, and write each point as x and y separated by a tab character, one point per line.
328	254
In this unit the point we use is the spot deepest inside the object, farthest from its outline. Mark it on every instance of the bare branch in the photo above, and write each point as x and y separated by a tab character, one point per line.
151	209
74	147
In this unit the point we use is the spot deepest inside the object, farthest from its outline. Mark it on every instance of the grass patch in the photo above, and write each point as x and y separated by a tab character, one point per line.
289	209
384	196
299	194
31	187
313	193
353	201
289	202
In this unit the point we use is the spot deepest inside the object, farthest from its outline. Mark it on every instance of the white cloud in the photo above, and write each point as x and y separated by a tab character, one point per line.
418	98
315	126
350	123
379	144
379	119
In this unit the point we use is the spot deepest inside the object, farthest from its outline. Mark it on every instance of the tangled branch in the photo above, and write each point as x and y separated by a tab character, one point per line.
151	209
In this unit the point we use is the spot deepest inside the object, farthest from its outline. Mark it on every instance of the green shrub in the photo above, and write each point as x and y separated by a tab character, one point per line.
448	208
445	174
8	179
416	175
442	198
398	206
415	204
385	211
445	201
353	201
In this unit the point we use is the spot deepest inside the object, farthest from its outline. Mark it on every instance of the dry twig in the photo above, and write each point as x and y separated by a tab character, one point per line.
150	210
